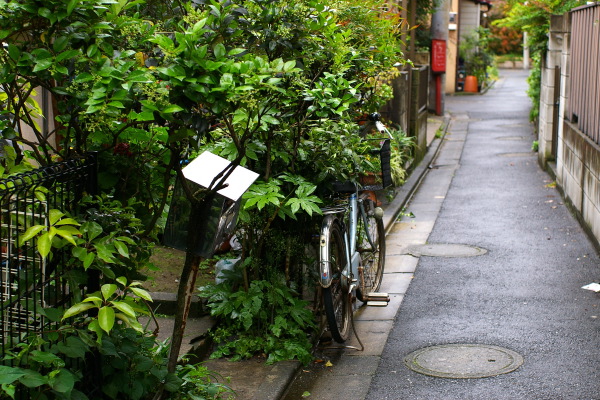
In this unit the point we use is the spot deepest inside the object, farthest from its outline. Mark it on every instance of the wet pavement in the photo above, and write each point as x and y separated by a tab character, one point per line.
486	254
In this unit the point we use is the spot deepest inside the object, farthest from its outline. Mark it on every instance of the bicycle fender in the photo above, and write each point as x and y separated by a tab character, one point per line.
325	275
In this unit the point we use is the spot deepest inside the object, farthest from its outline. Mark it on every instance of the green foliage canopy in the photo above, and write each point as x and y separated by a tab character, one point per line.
275	86
533	17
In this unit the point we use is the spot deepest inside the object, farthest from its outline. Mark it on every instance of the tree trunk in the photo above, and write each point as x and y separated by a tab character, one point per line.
196	227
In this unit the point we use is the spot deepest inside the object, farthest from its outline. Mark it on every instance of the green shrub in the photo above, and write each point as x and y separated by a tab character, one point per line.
267	319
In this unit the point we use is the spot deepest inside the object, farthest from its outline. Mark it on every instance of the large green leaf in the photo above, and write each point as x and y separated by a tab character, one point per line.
43	64
45	358
10	374
33	379
125	308
121	248
77	309
140	77
92	229
92	50
219	51
172	108
88	260
68	232
106	318
63	382
141	293
83	77
163	41
66	55
54	216
73	347
108	290
14	52
30	233
44	244
105	253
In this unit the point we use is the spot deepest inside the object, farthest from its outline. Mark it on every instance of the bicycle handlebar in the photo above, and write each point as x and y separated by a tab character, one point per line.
375	116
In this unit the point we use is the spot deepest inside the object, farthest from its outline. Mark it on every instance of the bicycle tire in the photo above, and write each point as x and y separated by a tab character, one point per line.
336	299
372	257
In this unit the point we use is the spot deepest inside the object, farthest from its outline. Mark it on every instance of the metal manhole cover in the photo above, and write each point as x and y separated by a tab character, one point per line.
463	361
516	125
445	250
511	138
529	154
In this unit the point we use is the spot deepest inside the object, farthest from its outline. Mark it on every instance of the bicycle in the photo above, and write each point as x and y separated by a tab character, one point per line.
352	249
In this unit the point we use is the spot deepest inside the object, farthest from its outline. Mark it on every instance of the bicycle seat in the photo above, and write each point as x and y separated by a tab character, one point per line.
344	187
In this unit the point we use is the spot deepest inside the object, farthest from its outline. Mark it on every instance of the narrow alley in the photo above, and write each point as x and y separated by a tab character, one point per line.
484	269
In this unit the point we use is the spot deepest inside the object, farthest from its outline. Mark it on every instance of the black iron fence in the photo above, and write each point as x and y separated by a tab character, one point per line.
29	284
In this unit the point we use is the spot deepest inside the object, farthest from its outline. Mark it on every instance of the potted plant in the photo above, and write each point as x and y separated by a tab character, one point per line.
475	55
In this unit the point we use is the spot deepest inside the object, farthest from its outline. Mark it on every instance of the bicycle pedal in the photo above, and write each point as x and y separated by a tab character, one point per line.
378	299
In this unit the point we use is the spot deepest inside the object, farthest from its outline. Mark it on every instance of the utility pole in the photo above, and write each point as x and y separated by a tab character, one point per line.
439	35
525	51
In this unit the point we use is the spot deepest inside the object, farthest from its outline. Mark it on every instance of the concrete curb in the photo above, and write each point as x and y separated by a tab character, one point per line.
405	192
277	382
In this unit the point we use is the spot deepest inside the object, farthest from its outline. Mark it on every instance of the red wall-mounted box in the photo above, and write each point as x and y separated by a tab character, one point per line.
438	56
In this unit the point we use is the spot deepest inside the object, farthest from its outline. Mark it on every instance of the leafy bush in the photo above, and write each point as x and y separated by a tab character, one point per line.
101	347
273	86
266	319
475	53
533	17
109	355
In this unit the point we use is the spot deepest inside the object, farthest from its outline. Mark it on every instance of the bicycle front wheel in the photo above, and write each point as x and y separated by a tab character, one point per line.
371	246
336	299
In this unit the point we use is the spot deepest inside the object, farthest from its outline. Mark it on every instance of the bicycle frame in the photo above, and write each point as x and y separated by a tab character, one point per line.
353	212
354	209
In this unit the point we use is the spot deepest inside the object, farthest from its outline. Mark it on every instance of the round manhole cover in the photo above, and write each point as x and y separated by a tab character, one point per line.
529	154
462	361
445	250
511	138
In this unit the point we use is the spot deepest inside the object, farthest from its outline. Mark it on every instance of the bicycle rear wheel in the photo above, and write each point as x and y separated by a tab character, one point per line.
336	299
372	252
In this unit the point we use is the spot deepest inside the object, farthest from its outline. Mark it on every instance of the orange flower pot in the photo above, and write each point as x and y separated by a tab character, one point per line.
471	84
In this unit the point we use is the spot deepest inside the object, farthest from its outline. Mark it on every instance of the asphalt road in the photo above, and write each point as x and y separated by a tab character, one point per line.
525	293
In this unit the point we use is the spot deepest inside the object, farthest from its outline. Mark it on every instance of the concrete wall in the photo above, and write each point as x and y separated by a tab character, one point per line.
577	156
548	112
579	175
452	52
469	17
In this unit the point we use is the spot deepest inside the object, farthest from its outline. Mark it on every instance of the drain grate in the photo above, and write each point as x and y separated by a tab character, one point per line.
463	361
445	250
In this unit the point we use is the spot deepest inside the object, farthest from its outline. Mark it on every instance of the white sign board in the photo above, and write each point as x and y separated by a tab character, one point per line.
207	166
